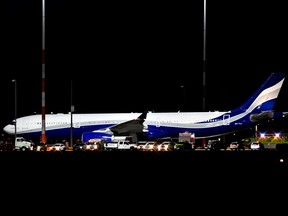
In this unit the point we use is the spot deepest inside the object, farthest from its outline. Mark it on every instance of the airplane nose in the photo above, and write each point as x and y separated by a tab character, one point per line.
9	129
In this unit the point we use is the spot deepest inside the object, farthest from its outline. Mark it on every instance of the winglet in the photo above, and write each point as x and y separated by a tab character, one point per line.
142	117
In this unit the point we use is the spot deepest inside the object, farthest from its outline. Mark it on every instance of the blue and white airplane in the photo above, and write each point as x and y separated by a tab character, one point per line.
257	109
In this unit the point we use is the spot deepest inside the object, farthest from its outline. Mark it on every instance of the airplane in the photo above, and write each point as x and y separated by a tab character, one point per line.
156	125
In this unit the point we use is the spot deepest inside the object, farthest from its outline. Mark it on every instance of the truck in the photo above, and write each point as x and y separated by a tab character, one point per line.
120	145
21	144
186	136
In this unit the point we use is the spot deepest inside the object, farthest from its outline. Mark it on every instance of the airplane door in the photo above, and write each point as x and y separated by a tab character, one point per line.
158	123
226	119
76	125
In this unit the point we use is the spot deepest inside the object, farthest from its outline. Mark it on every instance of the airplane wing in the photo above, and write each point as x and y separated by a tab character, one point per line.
132	126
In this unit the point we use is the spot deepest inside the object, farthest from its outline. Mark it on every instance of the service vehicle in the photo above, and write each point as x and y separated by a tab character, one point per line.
184	146
21	144
235	146
120	145
215	145
149	146
78	146
91	146
165	146
57	147
256	145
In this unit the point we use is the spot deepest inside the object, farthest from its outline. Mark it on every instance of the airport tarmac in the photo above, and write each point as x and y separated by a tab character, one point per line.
266	160
145	179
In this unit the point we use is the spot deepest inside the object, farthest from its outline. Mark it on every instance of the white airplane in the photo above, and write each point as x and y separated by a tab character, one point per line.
257	109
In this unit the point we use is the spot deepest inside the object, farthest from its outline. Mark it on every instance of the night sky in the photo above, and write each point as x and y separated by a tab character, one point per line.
135	56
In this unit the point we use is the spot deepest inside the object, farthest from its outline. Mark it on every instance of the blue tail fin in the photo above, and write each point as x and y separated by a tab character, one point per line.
265	97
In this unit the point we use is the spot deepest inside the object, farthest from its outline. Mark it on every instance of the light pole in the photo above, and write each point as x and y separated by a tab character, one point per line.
256	132
204	58
15	107
71	113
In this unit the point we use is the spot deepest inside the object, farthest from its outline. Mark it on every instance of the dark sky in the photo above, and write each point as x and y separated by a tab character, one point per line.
134	56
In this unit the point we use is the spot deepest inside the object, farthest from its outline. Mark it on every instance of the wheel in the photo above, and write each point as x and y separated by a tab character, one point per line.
23	149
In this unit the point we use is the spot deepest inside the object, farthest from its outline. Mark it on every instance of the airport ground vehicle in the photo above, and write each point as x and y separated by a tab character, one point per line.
140	145
165	146
91	146
148	146
256	146
21	144
184	146
78	146
57	147
120	145
235	146
215	145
